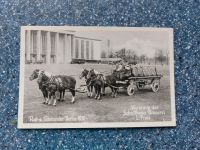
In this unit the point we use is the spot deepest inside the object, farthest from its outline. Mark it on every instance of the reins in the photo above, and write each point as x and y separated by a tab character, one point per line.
113	86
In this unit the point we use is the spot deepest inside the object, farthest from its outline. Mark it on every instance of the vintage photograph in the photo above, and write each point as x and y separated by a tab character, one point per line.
96	77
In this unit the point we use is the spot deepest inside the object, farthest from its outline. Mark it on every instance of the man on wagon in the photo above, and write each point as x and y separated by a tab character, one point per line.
123	70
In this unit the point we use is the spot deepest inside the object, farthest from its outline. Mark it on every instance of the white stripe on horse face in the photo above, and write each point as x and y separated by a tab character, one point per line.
40	72
47	74
96	72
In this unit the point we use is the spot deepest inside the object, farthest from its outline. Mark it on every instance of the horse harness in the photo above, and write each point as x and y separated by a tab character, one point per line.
56	80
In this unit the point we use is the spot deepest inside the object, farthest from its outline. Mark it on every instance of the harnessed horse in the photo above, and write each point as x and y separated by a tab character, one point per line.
88	80
101	82
51	84
42	85
98	82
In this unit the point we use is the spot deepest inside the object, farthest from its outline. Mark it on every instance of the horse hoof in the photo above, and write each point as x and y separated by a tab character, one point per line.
72	102
54	105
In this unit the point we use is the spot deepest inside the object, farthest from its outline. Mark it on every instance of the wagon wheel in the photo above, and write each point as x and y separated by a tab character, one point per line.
155	85
140	86
131	90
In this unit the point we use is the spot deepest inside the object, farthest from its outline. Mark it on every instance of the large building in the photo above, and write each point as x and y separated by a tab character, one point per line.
49	46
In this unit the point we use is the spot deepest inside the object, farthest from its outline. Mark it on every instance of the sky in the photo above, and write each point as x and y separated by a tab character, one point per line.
142	42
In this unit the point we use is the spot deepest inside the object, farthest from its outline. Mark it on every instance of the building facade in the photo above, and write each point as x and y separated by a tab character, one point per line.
59	47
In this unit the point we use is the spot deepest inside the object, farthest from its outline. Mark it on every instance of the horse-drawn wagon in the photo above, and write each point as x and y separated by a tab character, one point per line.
139	78
136	77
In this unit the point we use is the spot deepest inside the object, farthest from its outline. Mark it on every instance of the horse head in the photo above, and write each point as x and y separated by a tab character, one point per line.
84	74
43	77
91	73
40	77
34	75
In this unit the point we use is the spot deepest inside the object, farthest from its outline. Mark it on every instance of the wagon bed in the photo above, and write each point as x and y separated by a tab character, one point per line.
140	81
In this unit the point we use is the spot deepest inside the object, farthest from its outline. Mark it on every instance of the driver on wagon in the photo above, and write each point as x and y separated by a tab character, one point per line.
123	69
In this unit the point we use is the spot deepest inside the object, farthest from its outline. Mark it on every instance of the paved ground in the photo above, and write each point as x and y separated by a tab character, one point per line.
143	106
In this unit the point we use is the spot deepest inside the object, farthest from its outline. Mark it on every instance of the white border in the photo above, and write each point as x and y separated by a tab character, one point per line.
22	125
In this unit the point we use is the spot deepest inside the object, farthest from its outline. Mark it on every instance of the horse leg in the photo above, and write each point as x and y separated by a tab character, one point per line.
73	95
59	98
88	87
95	87
112	89
91	91
54	99
63	92
49	98
45	95
103	89
115	93
99	92
60	95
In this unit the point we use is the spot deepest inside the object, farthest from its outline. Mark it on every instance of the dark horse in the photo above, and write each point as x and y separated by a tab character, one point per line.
111	81
51	84
42	86
97	81
58	83
101	82
89	81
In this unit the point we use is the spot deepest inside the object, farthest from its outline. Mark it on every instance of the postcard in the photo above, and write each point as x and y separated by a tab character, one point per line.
96	77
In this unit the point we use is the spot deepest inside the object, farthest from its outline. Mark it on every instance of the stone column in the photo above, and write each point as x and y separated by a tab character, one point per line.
89	47
85	49
73	46
38	45
48	52
67	58
79	49
56	47
92	50
28	40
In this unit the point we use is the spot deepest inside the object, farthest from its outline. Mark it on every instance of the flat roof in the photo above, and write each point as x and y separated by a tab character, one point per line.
70	32
56	31
87	38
